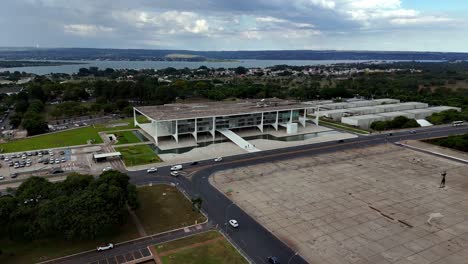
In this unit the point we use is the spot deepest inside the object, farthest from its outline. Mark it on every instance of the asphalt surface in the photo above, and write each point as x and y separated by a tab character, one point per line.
250	237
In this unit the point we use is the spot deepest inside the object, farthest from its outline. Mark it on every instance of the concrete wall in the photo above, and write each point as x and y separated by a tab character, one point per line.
363	122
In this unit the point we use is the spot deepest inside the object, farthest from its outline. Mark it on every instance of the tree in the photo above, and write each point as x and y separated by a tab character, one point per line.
34	123
240	70
196	204
132	197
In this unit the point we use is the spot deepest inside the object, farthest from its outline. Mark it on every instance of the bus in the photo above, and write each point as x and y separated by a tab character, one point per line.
457	123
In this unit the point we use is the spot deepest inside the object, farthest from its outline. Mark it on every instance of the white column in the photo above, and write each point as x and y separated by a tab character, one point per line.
291	117
317	113
261	124
213	129
135	123
155	131
195	134
276	122
176	135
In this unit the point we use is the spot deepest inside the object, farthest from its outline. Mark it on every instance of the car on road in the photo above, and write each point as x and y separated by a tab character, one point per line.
175	173
340	141
413	132
194	163
2	178
273	260
105	247
218	159
176	167
234	223
151	170
107	169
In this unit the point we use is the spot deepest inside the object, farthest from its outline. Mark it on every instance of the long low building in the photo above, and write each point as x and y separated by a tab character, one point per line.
365	121
177	120
362	121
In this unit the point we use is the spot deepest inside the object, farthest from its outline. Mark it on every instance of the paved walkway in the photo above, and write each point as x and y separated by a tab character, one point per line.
141	229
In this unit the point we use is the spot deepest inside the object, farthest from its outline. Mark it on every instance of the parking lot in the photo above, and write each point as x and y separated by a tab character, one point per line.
369	205
14	165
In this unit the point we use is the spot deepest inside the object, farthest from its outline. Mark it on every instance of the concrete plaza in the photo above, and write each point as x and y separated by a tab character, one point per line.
368	205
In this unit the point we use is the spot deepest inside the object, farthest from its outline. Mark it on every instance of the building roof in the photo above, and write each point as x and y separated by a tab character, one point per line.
362	117
209	109
444	108
394	114
107	155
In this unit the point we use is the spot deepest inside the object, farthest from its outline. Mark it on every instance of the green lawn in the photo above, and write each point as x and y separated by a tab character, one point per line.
138	155
126	137
26	252
219	251
72	137
159	212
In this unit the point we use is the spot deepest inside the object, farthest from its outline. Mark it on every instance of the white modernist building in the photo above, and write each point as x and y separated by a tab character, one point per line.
193	120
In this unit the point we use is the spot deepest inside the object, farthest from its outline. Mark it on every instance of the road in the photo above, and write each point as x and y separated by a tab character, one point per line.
251	237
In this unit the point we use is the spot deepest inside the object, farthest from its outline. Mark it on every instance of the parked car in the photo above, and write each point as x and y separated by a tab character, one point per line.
176	167
14	175
105	247
107	169
273	260
218	159
234	223
151	170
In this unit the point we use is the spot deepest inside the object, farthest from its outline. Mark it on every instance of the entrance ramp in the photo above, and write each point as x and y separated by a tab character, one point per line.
238	140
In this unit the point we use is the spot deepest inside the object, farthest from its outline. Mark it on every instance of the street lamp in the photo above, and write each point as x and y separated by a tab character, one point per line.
295	254
225	216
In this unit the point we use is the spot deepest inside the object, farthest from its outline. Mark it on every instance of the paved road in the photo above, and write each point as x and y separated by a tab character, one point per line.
251	237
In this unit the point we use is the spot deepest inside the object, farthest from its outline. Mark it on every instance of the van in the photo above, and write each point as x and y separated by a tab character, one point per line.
176	167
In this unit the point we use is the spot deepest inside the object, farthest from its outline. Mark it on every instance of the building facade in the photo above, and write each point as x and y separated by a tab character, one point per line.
176	120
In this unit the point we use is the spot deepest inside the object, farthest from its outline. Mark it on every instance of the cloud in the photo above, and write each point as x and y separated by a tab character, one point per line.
86	30
420	20
224	24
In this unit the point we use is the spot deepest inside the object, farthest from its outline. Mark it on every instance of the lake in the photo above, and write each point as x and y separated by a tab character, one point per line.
137	65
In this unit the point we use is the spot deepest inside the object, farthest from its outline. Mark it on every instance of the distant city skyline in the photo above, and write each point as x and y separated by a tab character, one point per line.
387	25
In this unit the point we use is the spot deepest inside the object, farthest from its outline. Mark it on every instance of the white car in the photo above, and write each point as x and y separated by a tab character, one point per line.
151	170
107	169
175	173
233	223
218	159
2	178
176	167
105	247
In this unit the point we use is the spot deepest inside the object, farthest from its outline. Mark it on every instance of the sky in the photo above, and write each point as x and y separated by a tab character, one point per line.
398	25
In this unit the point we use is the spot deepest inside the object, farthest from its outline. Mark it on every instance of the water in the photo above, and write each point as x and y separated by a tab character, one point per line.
137	65
263	136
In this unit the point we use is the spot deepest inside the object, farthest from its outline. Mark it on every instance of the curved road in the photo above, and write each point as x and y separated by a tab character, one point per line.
252	238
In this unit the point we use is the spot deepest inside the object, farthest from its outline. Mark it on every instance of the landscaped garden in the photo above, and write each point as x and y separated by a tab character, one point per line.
138	155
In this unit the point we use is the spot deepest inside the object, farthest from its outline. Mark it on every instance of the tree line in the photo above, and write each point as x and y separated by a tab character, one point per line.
80	207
